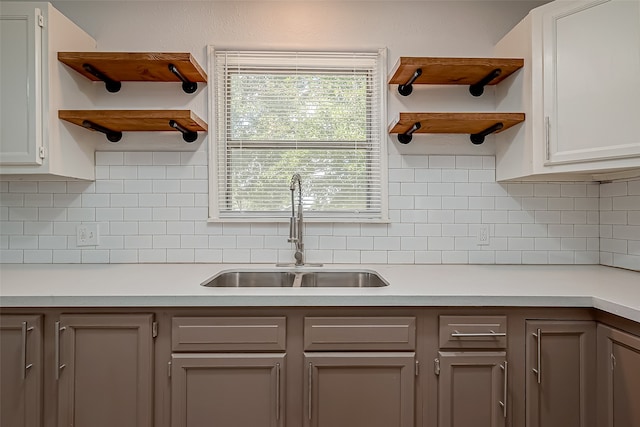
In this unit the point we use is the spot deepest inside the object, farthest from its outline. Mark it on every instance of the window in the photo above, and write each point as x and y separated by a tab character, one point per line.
316	114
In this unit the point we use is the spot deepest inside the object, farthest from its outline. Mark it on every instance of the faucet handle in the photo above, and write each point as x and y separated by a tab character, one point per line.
293	230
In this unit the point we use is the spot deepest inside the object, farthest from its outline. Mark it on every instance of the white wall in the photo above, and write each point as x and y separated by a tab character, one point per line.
152	206
406	28
437	28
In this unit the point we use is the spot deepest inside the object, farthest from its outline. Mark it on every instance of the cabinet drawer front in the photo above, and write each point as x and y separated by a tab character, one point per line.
228	333
473	332
359	333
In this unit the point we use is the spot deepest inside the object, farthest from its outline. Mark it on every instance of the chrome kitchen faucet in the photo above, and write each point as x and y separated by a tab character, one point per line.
296	222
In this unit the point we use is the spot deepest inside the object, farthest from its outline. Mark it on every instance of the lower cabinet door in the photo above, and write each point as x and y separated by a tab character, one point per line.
104	369
227	390
359	389
560	367
472	389
618	378
20	370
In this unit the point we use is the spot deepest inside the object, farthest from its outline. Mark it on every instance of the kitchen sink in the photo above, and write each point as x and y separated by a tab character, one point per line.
293	278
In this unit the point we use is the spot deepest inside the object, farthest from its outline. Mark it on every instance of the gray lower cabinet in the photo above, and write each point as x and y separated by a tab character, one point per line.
227	390
104	368
21	370
472	389
618	378
359	389
560	367
472	371
90	369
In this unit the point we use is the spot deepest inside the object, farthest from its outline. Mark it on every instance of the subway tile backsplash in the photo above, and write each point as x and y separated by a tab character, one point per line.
620	224
152	208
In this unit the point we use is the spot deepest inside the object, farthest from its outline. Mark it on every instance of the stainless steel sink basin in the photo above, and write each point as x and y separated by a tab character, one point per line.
291	278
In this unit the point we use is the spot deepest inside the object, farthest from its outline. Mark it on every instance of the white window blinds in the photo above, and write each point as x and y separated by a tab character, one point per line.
316	114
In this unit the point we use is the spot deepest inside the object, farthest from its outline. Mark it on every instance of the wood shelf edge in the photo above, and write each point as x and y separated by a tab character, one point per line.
136	120
462	123
136	66
452	70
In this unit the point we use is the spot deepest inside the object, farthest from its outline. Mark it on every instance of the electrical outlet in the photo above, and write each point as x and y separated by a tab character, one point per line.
482	239
87	234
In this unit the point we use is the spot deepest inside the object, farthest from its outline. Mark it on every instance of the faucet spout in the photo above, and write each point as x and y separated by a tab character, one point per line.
296	178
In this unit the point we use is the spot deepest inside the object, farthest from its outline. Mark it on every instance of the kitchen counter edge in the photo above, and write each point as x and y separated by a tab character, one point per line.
612	290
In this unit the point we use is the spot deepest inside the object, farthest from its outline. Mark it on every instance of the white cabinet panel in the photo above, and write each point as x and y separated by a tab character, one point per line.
592	80
20	91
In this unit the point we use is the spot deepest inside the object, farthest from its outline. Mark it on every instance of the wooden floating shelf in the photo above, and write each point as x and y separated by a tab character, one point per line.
116	67
475	72
467	123
454	122
136	120
452	71
118	121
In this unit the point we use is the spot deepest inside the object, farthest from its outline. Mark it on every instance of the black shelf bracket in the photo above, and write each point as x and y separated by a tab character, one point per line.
188	135
477	89
405	138
111	85
478	138
407	88
187	85
112	135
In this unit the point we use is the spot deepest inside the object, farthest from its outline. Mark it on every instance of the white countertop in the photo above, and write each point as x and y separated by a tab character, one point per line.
612	290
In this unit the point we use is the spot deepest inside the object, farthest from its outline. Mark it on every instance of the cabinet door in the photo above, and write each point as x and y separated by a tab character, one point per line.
592	80
20	85
560	381
472	389
20	370
105	370
227	390
619	378
359	389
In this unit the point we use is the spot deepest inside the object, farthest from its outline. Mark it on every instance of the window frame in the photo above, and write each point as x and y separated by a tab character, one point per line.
315	216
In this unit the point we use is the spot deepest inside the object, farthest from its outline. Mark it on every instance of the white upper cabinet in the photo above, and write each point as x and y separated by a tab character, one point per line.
580	90
34	85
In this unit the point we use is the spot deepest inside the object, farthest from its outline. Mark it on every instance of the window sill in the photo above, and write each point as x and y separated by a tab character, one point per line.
285	220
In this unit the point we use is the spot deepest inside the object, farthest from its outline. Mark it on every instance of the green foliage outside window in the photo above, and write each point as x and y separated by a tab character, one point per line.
314	124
